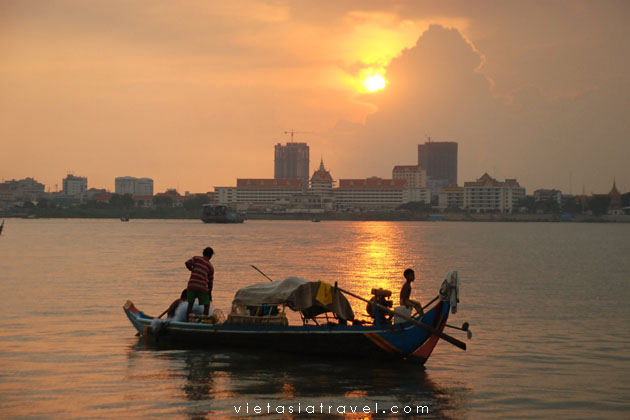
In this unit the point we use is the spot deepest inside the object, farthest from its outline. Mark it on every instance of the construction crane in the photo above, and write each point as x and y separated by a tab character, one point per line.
292	132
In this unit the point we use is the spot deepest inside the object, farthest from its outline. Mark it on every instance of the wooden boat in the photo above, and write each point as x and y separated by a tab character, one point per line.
219	213
257	329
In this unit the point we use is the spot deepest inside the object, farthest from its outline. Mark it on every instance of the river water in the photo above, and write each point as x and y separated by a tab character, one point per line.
548	305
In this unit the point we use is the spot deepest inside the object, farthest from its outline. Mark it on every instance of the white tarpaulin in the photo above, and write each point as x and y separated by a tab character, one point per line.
299	295
273	293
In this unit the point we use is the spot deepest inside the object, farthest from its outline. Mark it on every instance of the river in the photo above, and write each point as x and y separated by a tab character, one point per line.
548	304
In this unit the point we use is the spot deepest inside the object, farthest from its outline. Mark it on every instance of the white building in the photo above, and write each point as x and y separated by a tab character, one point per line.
263	193
225	195
74	186
133	186
417	195
451	197
144	186
372	193
488	194
416	183
413	174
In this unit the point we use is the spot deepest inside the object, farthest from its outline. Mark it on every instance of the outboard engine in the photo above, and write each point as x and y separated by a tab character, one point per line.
382	297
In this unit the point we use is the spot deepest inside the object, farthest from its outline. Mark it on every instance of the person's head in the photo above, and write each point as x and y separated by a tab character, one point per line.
409	274
184	295
208	252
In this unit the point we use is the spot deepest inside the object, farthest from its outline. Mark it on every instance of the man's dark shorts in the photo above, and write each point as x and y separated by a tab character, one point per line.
204	298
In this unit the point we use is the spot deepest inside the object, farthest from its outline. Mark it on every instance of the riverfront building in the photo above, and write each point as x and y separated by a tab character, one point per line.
370	193
615	200
133	186
225	195
74	186
548	195
26	189
489	195
415	176
451	198
266	193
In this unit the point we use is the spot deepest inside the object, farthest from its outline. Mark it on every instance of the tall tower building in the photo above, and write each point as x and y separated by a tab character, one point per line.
291	161
439	160
74	185
133	186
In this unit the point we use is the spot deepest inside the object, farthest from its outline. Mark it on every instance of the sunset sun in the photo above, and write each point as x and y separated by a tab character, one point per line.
374	83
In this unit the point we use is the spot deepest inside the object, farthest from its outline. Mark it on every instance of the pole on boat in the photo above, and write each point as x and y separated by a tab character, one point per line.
445	337
257	269
432	300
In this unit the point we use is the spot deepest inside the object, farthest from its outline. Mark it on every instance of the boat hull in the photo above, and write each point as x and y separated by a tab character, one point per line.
398	341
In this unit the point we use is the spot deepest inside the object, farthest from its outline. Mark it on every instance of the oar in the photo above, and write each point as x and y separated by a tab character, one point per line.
445	337
465	327
257	269
162	314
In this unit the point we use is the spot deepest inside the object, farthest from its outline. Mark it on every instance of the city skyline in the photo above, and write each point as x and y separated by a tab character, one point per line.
187	96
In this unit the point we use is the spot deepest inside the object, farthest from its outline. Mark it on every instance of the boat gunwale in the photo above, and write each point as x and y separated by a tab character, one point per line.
179	326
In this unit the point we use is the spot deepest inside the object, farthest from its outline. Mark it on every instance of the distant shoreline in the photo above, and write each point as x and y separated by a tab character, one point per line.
367	216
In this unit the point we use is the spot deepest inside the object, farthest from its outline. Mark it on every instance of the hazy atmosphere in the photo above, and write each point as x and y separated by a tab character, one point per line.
195	94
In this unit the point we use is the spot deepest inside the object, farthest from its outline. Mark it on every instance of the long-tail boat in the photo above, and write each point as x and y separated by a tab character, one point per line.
258	321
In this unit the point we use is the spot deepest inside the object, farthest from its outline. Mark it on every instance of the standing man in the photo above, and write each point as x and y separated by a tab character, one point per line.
405	292
200	282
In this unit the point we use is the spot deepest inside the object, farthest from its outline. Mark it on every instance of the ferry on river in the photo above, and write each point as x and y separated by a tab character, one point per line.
219	213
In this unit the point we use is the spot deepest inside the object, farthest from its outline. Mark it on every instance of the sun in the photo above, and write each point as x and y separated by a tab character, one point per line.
374	83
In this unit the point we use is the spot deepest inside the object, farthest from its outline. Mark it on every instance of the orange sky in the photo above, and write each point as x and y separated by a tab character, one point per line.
195	94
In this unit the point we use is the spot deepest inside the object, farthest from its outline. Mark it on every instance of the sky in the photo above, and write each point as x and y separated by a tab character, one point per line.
195	94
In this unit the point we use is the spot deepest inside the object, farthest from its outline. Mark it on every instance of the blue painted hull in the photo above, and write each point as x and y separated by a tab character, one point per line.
396	341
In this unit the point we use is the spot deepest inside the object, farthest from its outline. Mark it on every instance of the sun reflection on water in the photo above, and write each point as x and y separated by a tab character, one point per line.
378	258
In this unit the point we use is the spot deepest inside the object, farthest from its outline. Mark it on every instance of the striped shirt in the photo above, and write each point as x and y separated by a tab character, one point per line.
201	275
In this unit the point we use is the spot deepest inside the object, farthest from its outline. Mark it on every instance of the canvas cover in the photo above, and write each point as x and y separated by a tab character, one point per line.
299	295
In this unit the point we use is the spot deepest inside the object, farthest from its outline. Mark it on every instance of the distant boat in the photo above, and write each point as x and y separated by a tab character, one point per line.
316	220
1	226
219	213
124	219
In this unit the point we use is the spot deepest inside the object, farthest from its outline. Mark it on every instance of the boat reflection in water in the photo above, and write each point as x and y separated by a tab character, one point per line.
221	383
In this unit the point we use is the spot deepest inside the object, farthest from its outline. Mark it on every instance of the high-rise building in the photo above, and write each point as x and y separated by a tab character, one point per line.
439	160
133	186
291	161
75	186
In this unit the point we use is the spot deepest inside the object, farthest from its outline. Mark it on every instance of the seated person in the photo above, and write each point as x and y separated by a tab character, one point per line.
405	292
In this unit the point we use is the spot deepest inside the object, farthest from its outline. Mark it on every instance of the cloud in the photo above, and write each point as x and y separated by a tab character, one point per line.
118	87
438	88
